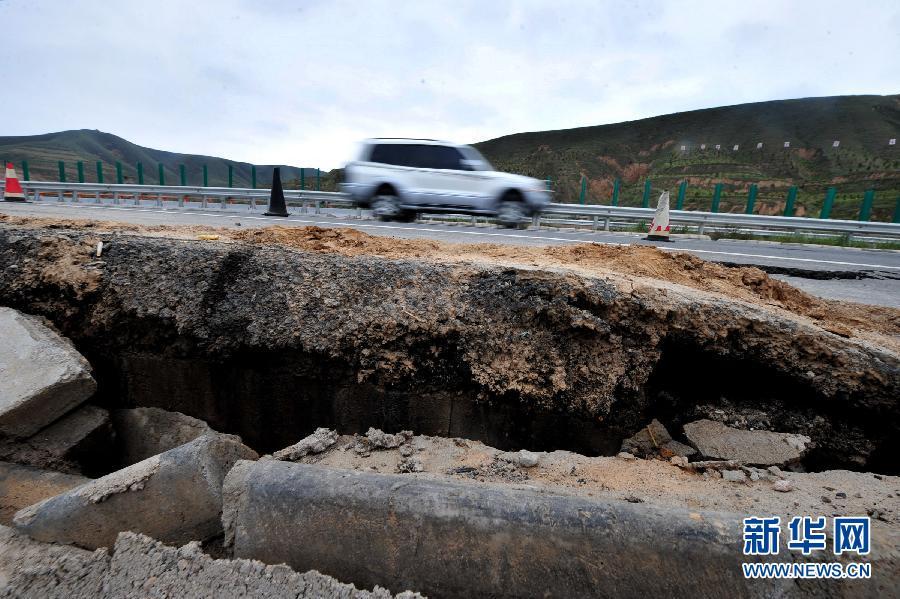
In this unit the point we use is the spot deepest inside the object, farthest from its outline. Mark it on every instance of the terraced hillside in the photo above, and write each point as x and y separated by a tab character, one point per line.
652	148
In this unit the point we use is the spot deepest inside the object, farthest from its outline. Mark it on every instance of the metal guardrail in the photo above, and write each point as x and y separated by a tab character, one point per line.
594	215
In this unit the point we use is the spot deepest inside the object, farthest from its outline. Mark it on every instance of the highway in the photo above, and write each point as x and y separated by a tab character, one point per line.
869	276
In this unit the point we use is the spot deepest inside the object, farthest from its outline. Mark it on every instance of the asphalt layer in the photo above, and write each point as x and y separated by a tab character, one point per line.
868	276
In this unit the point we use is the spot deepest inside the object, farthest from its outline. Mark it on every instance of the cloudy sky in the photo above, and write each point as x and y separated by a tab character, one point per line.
300	82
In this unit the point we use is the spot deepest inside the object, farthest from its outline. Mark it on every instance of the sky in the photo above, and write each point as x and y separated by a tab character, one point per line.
302	82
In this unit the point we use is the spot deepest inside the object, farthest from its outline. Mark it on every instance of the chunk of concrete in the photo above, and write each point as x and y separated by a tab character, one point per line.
650	441
145	432
319	441
83	436
456	539
21	486
142	567
32	570
759	448
174	497
43	375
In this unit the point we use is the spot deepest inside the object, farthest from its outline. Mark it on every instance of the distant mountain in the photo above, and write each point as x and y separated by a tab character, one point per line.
652	148
43	153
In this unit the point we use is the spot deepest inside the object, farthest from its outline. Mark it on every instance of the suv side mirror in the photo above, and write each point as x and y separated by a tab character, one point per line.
470	165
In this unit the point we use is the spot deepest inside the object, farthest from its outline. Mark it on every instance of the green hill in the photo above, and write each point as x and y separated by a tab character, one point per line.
43	153
652	148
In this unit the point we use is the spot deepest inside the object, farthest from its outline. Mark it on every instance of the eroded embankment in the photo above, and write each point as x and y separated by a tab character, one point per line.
271	341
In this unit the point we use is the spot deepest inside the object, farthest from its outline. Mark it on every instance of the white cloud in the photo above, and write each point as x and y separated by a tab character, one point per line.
302	82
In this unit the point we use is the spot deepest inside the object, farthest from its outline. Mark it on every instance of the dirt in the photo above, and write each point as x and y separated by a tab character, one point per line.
651	481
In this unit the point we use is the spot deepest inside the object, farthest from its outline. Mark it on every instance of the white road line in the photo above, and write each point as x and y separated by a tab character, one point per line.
483	234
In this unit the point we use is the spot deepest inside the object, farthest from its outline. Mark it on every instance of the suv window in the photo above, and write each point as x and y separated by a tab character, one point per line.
417	155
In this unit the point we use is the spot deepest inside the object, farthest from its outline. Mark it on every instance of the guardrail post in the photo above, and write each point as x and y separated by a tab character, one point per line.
828	203
615	196
751	199
897	211
115	197
318	177
865	212
140	173
205	180
595	223
682	191
60	197
791	199
183	173
645	200
253	176
583	189
74	196
62	171
99	173
25	174
161	175
536	219
717	197
204	203
319	208
230	175
606	223
80	172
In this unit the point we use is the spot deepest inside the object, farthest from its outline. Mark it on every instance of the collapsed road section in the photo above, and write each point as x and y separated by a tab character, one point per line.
697	376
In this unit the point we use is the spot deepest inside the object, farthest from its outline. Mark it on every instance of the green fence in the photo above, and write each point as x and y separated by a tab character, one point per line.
217	174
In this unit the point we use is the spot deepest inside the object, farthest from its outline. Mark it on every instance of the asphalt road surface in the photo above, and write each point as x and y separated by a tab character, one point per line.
869	276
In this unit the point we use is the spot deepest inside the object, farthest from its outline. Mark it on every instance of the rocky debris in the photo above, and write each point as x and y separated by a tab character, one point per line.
317	442
680	461
43	375
84	436
762	448
654	440
409	466
734	476
141	567
376	439
33	570
783	486
175	497
527	459
625	455
145	432
504	467
21	486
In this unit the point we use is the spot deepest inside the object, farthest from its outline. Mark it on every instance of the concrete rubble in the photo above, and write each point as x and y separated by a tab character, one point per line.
317	442
717	441
174	497
80	437
655	440
43	375
140	567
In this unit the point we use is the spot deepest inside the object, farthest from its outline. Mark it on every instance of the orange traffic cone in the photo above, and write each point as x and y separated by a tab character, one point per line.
659	226
13	191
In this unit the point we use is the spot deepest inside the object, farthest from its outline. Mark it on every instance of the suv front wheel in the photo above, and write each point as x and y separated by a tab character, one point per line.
511	212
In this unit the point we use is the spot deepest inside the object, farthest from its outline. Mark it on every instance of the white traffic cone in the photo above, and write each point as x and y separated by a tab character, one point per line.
659	226
13	190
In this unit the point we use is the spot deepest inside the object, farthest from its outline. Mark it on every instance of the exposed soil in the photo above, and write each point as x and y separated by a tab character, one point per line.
272	332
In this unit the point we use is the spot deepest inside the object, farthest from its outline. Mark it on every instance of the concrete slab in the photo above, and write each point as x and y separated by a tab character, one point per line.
43	375
145	432
717	441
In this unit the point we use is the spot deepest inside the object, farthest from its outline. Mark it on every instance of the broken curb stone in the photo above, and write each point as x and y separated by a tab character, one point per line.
760	448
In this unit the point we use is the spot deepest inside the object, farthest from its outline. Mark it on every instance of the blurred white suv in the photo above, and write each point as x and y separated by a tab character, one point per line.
399	177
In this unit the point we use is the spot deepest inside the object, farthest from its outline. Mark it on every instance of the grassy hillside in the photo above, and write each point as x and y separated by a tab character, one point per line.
651	148
43	152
